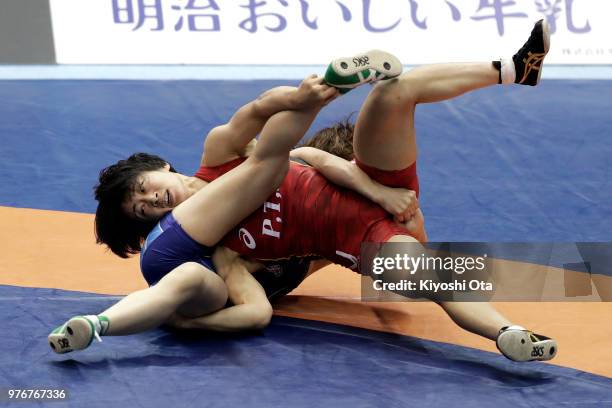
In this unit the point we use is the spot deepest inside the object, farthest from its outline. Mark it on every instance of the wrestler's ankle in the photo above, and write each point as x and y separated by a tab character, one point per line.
101	323
506	69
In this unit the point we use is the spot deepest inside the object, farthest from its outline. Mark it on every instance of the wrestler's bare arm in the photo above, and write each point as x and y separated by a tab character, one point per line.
231	140
251	309
401	203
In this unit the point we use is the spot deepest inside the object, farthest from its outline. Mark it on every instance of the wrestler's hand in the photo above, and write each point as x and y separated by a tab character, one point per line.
313	92
399	202
225	259
416	226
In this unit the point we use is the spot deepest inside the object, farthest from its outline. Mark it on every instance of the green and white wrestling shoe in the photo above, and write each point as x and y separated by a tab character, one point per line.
519	344
77	333
350	72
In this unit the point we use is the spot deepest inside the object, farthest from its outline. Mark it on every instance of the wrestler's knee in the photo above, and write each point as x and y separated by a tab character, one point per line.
187	279
396	94
412	254
262	316
200	290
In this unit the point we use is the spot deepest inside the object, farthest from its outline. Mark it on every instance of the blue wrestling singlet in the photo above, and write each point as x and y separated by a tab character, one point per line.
168	245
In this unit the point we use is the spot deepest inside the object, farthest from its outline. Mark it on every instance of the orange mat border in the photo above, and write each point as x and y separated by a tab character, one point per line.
53	249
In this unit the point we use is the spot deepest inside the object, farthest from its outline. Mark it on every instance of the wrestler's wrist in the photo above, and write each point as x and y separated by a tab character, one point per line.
293	99
376	193
276	100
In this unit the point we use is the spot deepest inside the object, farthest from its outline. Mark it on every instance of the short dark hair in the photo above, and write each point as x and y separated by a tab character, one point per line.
336	139
113	227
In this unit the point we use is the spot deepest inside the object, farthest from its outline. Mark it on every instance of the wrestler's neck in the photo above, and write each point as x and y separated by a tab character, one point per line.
193	184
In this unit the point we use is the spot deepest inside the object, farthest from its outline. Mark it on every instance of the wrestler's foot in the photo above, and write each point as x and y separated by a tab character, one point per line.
528	60
350	72
76	334
519	344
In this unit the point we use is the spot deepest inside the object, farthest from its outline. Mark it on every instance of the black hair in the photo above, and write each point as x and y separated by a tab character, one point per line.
113	227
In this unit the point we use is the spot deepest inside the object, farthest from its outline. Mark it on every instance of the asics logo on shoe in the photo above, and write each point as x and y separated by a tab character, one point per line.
533	62
361	61
64	343
538	351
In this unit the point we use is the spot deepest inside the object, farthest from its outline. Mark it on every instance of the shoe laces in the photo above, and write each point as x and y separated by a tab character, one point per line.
96	327
375	78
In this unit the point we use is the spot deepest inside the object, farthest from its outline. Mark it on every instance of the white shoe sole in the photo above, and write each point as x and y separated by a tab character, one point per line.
77	335
517	345
381	61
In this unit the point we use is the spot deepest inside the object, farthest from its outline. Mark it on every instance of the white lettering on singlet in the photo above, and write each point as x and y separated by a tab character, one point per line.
268	225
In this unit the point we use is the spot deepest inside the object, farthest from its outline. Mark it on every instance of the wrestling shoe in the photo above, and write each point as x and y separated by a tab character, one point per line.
529	59
350	72
519	344
76	334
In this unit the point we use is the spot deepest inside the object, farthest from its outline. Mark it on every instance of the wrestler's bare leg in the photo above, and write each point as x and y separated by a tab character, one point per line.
384	133
190	289
385	138
479	318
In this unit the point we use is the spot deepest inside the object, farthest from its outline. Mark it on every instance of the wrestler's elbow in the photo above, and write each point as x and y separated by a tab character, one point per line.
261	314
280	170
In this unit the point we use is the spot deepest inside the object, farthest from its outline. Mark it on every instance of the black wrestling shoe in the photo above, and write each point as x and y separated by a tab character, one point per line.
528	60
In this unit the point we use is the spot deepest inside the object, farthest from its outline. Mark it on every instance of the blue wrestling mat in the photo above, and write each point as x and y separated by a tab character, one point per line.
294	363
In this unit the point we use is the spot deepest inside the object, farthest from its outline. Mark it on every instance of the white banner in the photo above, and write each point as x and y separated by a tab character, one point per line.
304	32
